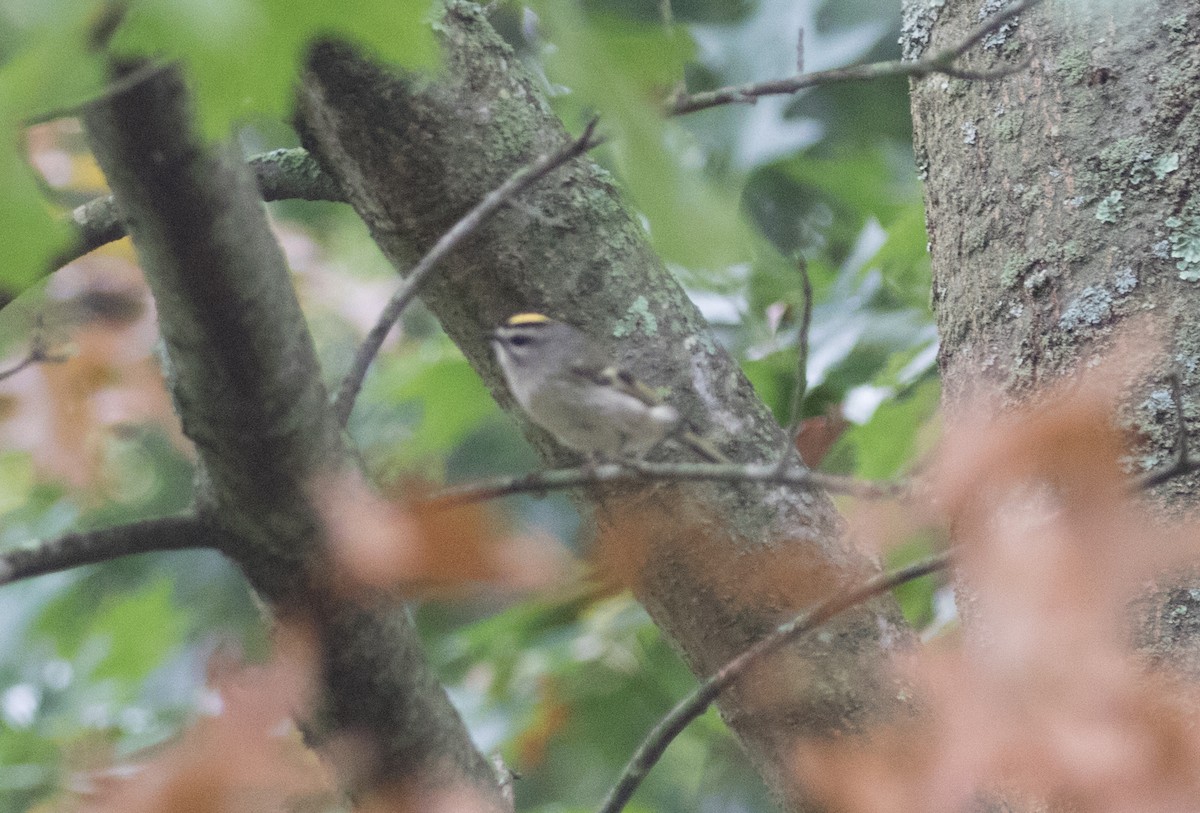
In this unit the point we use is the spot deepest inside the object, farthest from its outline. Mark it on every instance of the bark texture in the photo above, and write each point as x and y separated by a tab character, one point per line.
245	381
1061	211
414	155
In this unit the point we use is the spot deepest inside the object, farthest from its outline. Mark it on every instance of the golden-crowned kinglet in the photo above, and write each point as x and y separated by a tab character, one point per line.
563	382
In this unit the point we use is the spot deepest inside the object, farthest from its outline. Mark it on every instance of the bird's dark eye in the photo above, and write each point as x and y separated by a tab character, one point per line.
519	340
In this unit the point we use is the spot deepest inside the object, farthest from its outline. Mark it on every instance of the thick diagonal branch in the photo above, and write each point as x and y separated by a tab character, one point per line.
244	377
412	157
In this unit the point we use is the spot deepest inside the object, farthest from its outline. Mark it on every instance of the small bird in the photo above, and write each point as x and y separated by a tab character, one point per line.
564	383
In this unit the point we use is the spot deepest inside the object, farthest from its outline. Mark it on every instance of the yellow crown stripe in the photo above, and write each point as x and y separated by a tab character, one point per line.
527	319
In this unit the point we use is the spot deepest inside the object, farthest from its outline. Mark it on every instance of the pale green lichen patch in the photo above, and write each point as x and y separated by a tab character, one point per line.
1040	279
1010	124
1179	32
1110	208
1165	165
1126	280
1075	64
1092	307
1129	160
1014	267
916	27
1184	236
1073	252
638	314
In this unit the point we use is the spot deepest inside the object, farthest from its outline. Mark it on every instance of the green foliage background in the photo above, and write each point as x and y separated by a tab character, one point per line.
730	196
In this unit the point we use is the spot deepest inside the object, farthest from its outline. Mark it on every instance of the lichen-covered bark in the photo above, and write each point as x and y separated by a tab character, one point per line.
240	362
245	381
1060	208
412	156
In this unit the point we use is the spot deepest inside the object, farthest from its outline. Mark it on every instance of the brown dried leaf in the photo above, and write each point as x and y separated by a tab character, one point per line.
442	800
550	718
242	754
818	434
381	543
101	318
1044	699
660	535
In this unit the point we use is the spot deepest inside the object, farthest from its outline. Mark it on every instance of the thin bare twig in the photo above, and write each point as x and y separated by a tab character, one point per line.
995	73
143	73
29	360
90	547
987	27
795	415
941	62
39	353
518	182
695	704
1182	463
540	482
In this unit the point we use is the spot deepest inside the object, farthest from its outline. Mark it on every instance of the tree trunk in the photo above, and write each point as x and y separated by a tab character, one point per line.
1060	214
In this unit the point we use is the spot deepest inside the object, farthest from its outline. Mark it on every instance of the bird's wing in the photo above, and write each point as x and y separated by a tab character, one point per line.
620	380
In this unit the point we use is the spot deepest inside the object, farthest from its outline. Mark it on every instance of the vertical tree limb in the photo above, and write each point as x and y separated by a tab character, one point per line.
245	381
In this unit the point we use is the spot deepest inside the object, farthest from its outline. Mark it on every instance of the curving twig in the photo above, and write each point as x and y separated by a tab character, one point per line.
941	62
695	704
89	547
1182	463
518	182
795	413
39	353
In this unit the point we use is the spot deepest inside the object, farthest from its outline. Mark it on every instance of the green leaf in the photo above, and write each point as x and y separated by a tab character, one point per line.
16	479
864	181
904	258
141	628
450	398
915	597
244	55
890	440
51	70
625	71
32	236
773	379
126	638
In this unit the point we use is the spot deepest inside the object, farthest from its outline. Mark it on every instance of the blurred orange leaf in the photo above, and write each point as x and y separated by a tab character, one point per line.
1043	698
102	319
242	753
401	543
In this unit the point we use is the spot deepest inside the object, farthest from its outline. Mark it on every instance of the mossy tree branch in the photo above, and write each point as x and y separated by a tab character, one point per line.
244	377
412	156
